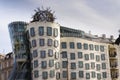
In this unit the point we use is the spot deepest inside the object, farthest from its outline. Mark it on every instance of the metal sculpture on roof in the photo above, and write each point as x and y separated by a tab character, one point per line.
43	15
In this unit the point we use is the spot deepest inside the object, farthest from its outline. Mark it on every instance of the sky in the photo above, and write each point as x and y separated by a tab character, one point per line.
97	16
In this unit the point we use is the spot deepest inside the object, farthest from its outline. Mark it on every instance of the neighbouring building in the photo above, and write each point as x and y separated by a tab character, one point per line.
55	52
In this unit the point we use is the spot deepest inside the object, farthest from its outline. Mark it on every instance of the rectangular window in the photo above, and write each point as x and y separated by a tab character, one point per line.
87	75
64	64
72	46
73	75
41	42
92	65
63	45
80	55
49	42
98	76
55	32
32	32
79	45
34	43
102	48
35	63
52	73
96	48
97	58
102	56
43	54
80	64
73	65
91	47
56	43
49	31
103	65
87	66
36	74
104	74
50	52
35	54
64	54
51	63
64	74
45	75
86	56
56	55
43	64
93	74
92	56
85	46
81	74
72	56
57	65
57	75
98	67
41	30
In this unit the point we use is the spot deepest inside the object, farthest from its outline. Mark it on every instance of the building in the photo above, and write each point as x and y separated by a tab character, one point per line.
60	53
6	66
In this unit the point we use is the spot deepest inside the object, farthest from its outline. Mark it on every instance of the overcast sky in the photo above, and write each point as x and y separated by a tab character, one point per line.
98	16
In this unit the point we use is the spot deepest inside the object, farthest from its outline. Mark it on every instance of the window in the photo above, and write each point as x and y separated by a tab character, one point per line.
93	74
80	64
72	46
97	58
104	74
57	65
64	64
49	31
85	46
55	32
43	54
41	42
50	52
64	54
43	64
72	56
32	32
91	47
73	75
44	75
86	56
56	55
103	65
33	43
57	75
64	74
35	54
52	73
79	45
81	74
92	56
87	66
87	75
92	65
35	63
102	48
63	45
98	76
51	63
96	48
73	65
36	74
55	43
80	55
41	30
102	56
49	42
98	66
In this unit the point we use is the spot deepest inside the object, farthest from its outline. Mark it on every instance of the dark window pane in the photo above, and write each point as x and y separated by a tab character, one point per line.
64	74
55	32
57	75
50	52
92	65
35	54
64	64
32	32
87	75
92	56
81	74
41	42
102	56
72	46
45	75
56	43
49	42
79	45
98	76
33	43
103	65
96	48
91	47
72	56
97	58
87	66
80	55
98	66
73	75
104	74
43	54
41	30
80	64
35	63
36	74
49	31
86	56
102	48
52	73
93	74
64	45
85	46
64	54
51	63
73	65
43	64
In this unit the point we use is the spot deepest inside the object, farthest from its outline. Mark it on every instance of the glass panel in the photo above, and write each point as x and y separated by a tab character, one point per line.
72	56
73	65
92	56
87	75
56	55
33	43
32	32
85	46
96	47
50	52
49	31
49	42
86	56
43	54
41	31
64	45
93	74
64	54
87	66
102	48
102	56
80	55
72	46
52	73
80	64
81	74
79	45
41	42
35	54
73	75
51	63
104	74
58	75
55	32
36	74
44	75
35	63
103	65
64	64
43	64
55	43
64	74
91	47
